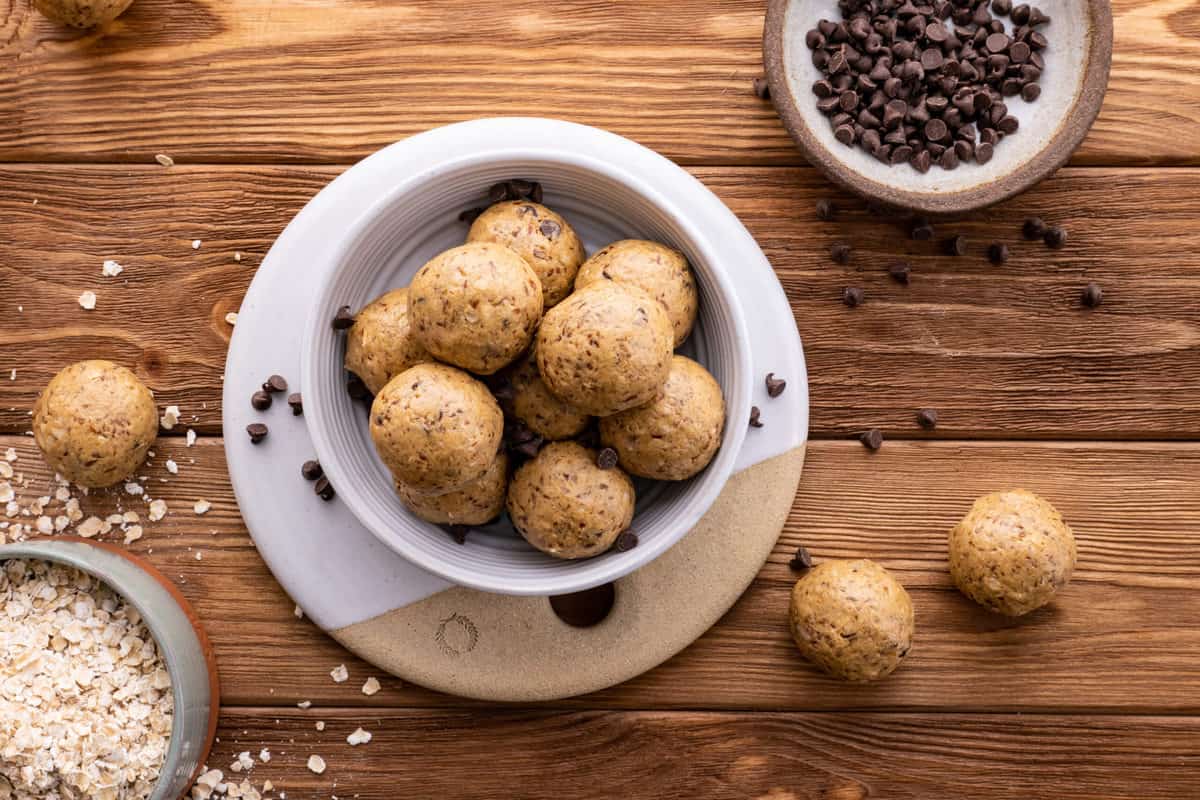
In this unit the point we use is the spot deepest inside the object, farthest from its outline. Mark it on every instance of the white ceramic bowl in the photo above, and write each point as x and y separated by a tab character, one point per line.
580	171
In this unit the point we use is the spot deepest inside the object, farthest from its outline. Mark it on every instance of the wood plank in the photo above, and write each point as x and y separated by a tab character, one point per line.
1002	352
685	755
1122	637
328	81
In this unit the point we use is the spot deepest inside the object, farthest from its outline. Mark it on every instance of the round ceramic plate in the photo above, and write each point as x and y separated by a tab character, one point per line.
416	625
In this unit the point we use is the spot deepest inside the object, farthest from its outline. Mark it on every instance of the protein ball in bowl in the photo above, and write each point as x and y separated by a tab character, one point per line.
658	270
543	238
476	306
675	435
538	408
436	428
477	503
605	348
95	422
381	343
852	619
1011	552
567	506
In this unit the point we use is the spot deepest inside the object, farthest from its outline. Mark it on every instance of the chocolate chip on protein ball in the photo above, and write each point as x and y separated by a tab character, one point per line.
311	470
296	402
275	384
775	386
927	418
260	400
872	439
1092	295
761	89
755	420
826	210
801	561
343	319
257	432
606	458
1055	237
853	296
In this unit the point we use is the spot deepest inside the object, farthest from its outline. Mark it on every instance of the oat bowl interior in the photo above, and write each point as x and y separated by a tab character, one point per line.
419	220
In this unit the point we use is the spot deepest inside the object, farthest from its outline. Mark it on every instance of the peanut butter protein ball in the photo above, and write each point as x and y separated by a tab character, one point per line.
540	236
95	422
852	619
538	408
381	344
1012	552
477	503
436	428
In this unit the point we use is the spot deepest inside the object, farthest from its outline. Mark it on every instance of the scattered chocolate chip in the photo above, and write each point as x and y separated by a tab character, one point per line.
517	432
257	432
260	400
775	386
311	470
587	608
853	296
457	532
927	418
626	542
1034	228
356	388
550	229
755	421
826	210
1055	237
997	252
530	447
872	439
840	253
900	271
275	384
297	403
343	319
956	246
762	89
470	215
922	232
1092	295
801	561
498	193
324	489
607	458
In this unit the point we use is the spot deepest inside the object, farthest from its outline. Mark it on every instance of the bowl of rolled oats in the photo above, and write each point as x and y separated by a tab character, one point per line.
108	685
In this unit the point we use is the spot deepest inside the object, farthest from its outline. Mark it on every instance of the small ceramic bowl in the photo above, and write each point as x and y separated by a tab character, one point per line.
417	220
176	630
1051	128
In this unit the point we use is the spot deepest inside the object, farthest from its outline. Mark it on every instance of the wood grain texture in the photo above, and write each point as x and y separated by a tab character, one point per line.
260	81
720	755
1122	637
1001	351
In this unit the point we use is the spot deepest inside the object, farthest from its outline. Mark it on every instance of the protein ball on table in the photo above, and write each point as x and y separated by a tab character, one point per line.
95	422
381	344
476	306
436	428
538	408
657	270
605	348
477	503
852	619
567	506
1012	552
540	236
676	435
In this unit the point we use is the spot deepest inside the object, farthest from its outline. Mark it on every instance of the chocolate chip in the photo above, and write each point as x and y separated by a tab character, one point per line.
775	386
761	89
311	470
297	404
801	561
607	458
1092	295
470	215
755	421
356	388
530	447
997	253
922	232
324	489
274	384
1055	237
1034	228
1002	7
260	400
257	432
853	296
983	153
520	189
900	271
499	192
550	229
956	246
927	418
826	210
1031	92
517	432
626	542
840	253
457	532
343	319
872	439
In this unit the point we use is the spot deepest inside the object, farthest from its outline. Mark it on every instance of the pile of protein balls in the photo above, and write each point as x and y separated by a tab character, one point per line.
1011	553
513	348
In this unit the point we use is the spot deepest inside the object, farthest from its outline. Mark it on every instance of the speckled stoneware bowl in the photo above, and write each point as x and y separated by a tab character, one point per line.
1073	86
176	630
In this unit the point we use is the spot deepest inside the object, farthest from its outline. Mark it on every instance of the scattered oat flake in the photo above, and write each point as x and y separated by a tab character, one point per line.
231	318
340	674
111	269
165	160
304	705
44	525
199	556
134	489
172	467
195	244
6	470
298	612
133	533
237	256
90	527
170	417
191	437
12	376
158	510
10	454
87	300
202	506
371	687
264	755
358	737
268	786
320	725
316	764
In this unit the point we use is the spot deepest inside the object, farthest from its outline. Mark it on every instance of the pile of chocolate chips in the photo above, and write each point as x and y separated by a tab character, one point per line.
925	84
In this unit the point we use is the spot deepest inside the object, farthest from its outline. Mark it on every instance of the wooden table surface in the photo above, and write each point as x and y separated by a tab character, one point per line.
262	102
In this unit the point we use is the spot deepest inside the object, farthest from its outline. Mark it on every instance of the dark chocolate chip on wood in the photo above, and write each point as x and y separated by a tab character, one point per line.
927	418
997	252
1055	237
1092	295
626	541
1034	228
297	403
274	384
761	89
872	439
775	386
607	458
900	271
840	253
755	417
257	432
826	210
343	319
956	246
801	561
311	470
922	232
853	296
324	489
260	400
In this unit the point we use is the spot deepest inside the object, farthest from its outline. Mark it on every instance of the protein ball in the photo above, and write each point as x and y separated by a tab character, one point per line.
605	348
82	13
476	306
852	619
436	428
381	343
566	506
95	422
540	236
538	408
676	435
657	270
477	503
1012	552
